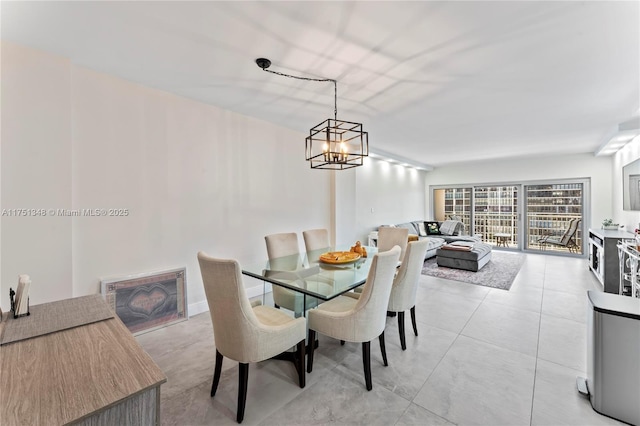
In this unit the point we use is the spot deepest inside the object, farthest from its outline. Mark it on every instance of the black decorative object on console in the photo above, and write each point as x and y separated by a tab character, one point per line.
14	307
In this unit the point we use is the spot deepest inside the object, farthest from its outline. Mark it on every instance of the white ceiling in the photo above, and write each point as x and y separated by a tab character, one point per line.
436	82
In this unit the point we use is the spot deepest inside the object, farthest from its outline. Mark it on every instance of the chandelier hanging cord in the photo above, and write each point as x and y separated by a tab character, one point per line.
333	144
265	65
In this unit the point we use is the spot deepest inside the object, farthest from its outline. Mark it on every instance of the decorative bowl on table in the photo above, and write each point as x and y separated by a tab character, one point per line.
339	257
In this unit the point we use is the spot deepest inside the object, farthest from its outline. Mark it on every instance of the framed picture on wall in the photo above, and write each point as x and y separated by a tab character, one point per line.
631	186
149	301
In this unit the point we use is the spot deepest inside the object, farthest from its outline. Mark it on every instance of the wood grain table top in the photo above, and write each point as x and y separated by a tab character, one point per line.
71	374
54	316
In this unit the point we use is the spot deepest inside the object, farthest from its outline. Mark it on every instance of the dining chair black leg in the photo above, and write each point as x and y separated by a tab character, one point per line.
383	349
403	342
366	362
243	381
312	338
300	363
341	342
216	373
413	320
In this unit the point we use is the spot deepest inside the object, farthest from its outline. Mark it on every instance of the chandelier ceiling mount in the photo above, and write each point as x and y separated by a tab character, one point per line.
333	144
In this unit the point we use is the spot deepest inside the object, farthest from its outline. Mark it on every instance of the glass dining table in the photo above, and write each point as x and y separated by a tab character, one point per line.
308	275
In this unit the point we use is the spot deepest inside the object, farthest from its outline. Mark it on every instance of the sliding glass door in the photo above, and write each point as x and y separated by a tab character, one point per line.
550	209
490	212
457	204
495	213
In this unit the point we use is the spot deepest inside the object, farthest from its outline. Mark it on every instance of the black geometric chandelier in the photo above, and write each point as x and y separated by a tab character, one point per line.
333	144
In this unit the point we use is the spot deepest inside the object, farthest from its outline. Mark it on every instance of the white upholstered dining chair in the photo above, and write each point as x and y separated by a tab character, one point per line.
405	285
389	237
358	320
316	239
246	333
283	253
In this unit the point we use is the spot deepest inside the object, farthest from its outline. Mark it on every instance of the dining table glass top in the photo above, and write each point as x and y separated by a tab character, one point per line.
307	274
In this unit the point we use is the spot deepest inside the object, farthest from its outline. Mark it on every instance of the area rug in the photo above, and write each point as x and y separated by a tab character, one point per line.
498	273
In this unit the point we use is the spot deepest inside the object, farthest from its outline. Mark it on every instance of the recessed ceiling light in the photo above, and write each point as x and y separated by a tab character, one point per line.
395	159
618	138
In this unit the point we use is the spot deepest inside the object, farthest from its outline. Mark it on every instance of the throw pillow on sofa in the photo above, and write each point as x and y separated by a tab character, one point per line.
410	226
432	228
422	231
451	227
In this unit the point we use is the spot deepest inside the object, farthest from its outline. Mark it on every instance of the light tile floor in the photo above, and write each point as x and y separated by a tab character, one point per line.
483	357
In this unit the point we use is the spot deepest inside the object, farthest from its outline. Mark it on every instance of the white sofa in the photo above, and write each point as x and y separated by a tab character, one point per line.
453	232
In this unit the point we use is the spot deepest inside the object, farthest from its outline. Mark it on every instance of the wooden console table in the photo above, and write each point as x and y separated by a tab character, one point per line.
94	374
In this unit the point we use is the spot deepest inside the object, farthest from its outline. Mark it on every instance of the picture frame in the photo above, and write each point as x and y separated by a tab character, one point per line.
631	186
148	301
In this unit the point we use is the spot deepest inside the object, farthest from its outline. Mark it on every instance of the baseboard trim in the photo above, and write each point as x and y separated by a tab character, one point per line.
202	306
198	308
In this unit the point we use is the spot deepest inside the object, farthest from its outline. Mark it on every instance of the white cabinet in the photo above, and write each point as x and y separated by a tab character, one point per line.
603	257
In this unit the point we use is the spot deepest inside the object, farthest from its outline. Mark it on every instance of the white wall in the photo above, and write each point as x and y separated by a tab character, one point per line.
630	152
387	193
343	206
598	169
36	172
193	176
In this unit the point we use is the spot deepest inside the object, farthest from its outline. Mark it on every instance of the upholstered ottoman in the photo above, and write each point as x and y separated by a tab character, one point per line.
472	260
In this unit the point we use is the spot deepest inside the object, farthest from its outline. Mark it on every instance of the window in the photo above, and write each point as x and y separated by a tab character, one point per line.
457	202
494	212
549	208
